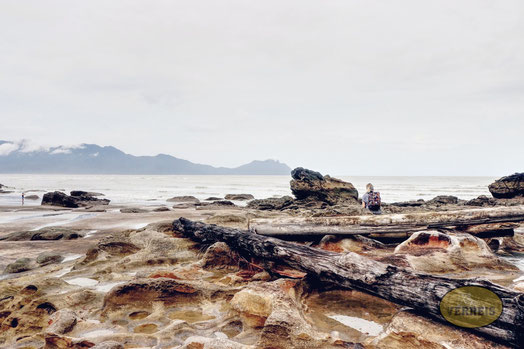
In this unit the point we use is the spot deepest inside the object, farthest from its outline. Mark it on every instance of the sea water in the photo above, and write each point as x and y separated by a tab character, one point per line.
154	190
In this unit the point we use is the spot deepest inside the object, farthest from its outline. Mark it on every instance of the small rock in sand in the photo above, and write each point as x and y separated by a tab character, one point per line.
20	265
132	210
186	198
46	258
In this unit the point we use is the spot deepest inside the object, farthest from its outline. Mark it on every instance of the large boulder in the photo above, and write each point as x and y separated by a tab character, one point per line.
508	187
307	184
58	198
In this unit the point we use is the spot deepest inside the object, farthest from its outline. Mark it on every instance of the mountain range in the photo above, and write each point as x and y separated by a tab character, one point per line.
95	159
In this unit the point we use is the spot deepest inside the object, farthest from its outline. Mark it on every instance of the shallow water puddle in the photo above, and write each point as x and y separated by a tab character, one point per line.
361	325
72	257
63	272
84	282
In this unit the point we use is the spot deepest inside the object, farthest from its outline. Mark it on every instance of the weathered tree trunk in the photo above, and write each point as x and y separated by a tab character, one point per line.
481	222
421	292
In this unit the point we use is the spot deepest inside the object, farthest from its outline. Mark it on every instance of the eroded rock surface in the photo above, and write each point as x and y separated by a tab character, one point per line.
508	187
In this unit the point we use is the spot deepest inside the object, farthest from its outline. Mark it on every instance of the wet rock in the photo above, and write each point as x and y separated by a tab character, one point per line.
214	198
482	200
185	198
50	233
216	205
434	251
132	210
443	200
508	187
239	197
161	209
184	205
20	265
58	198
271	203
46	258
219	256
412	203
62	321
307	184
32	197
108	345
81	193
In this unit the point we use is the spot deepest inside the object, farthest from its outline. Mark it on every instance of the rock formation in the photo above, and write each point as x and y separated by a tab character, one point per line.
508	187
81	198
311	185
239	197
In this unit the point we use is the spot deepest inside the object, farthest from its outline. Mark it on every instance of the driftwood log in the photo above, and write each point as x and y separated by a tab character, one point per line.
421	292
480	222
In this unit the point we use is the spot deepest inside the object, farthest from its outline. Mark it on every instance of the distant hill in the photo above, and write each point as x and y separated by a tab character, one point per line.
94	159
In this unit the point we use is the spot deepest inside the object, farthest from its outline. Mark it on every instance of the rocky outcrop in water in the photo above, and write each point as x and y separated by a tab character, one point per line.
311	185
185	198
508	187
81	198
239	197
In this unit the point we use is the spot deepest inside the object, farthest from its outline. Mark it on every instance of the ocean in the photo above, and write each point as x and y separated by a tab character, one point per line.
155	190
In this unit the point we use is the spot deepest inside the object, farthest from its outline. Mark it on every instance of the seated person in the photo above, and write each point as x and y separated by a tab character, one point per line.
371	200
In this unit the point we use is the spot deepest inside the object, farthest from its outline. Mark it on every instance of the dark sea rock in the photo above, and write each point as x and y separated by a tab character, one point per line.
46	258
482	200
132	210
58	198
85	193
185	198
239	197
224	203
20	265
443	200
32	197
508	187
161	209
271	203
50	233
413	203
311	185
214	198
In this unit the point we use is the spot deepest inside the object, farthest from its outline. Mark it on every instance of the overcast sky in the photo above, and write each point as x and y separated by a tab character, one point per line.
343	87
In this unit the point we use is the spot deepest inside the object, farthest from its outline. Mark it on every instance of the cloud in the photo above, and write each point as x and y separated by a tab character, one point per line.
7	148
346	87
